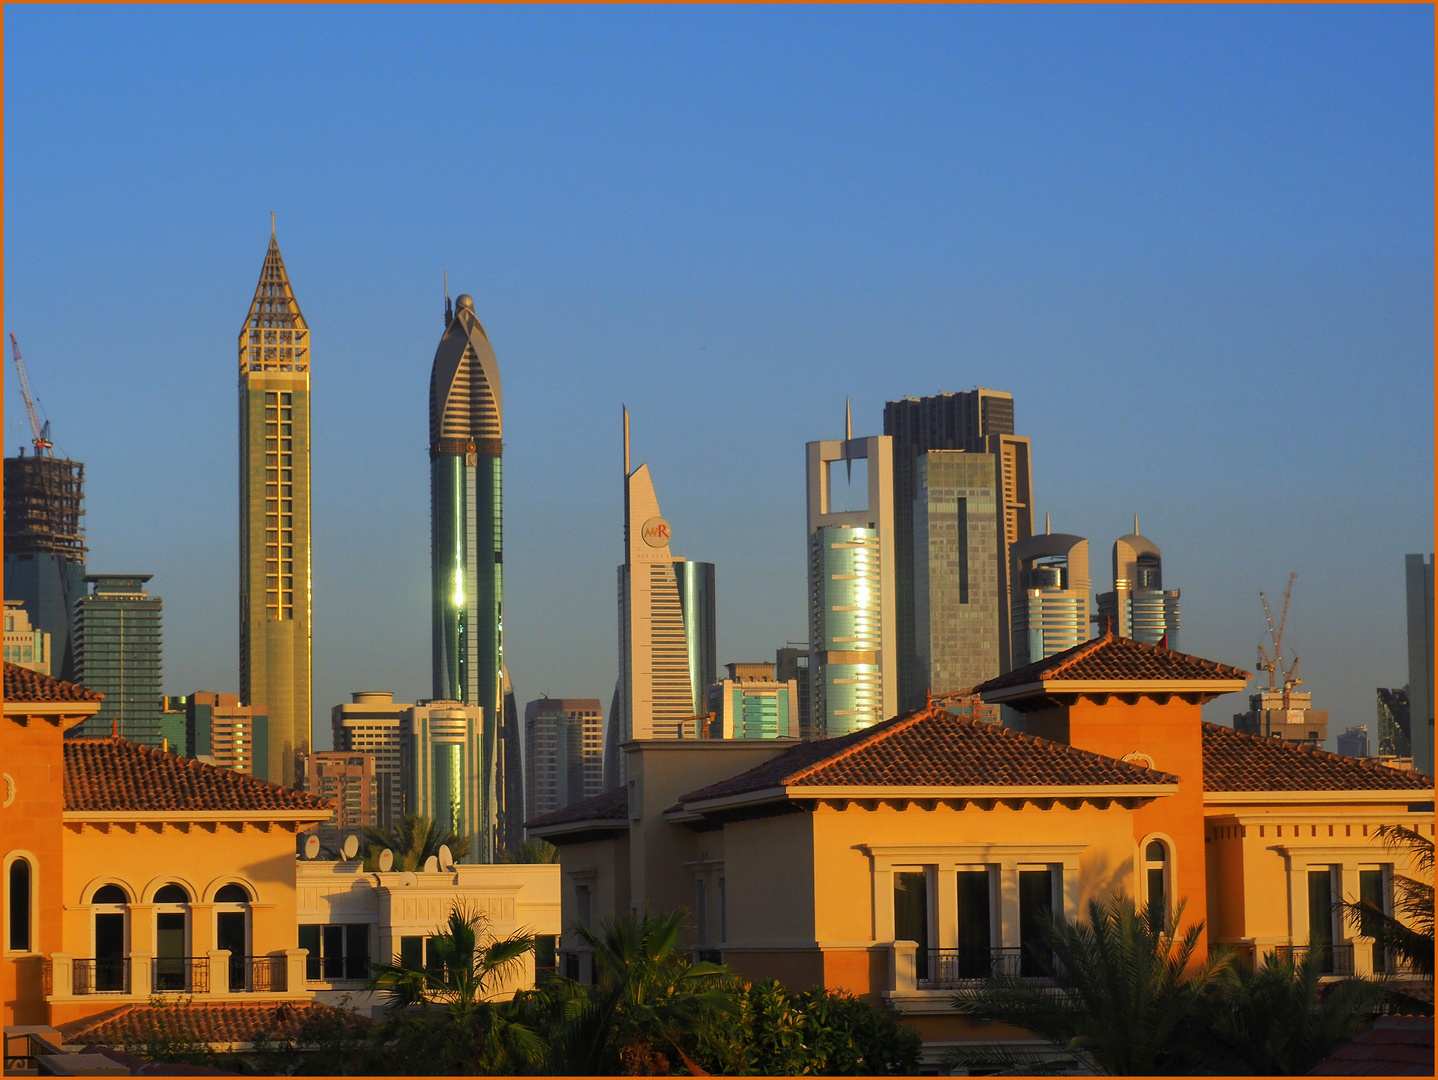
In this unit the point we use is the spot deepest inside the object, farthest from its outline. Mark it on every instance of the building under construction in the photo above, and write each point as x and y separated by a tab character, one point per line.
45	546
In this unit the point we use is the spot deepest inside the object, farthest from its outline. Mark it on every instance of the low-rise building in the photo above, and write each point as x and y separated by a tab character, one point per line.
922	855
753	704
25	645
350	918
369	723
1284	714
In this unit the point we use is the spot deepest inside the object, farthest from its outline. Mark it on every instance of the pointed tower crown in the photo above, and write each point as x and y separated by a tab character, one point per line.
275	336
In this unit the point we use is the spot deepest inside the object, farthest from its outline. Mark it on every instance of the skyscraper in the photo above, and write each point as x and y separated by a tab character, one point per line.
275	516
979	421
563	753
221	730
466	430
956	593
442	749
754	703
853	648
1418	572
1393	722
45	547
1139	607
1050	598
666	627
369	723
117	653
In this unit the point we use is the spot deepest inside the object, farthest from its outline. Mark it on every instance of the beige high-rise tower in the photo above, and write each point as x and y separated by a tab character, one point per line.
275	516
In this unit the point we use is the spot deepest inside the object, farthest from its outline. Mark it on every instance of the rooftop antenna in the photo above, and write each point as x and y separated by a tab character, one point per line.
448	311
272	224
1047	529
848	434
1135	524
626	440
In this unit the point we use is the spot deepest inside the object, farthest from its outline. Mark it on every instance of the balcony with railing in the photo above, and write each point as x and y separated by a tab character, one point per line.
180	975
139	976
1332	959
101	975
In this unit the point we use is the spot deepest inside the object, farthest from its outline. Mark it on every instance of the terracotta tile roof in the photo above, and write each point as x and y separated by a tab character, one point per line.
139	1066
934	748
22	684
1392	1046
1116	659
116	774
1234	761
612	805
241	1022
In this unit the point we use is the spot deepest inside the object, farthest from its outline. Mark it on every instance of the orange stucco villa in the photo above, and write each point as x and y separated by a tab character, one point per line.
132	874
906	859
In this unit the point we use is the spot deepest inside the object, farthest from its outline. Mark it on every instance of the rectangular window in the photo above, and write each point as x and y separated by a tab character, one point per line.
582	903
975	925
1373	895
1036	901
963	539
332	944
411	953
701	913
911	915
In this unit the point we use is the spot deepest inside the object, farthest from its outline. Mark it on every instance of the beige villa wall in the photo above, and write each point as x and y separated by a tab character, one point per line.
1262	855
769	881
603	865
142	857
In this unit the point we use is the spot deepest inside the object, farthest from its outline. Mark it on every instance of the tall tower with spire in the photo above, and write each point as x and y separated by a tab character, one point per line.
275	515
466	429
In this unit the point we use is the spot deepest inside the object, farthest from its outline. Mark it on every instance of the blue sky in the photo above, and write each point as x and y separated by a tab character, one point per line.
1195	243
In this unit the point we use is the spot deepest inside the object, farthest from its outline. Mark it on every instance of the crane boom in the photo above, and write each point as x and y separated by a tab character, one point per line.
40	435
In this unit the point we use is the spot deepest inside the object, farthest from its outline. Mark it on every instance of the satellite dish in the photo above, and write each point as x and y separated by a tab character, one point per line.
431	865
446	857
407	878
312	846
386	860
351	847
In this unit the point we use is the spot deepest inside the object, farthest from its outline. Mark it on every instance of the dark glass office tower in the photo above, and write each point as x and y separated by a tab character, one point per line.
118	653
466	539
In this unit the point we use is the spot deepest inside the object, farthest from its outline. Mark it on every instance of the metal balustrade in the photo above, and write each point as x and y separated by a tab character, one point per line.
180	975
1333	959
950	968
102	975
258	975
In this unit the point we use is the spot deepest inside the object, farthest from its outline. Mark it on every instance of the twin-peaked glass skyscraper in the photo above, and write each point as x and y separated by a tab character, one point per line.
275	515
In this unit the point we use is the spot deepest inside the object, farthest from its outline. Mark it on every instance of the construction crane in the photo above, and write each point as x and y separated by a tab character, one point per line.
1273	663
40	434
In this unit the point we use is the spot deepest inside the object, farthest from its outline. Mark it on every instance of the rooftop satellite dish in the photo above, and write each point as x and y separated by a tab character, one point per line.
351	847
446	857
408	878
386	861
312	846
431	865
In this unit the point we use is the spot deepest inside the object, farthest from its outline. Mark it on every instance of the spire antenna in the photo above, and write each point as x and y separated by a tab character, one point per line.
848	435
625	408
1135	524
448	311
272	224
1047	528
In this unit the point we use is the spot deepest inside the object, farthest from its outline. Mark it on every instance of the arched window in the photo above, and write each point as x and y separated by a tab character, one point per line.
172	939
232	894
109	894
232	931
1155	873
172	894
112	936
18	932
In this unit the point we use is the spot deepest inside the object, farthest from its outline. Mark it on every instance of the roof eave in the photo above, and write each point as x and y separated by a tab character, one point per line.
61	710
115	816
698	808
1368	795
587	825
1210	688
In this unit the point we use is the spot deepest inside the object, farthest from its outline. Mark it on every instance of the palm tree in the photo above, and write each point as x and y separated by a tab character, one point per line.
412	839
648	999
1279	1020
531	851
1408	932
1125	990
441	1019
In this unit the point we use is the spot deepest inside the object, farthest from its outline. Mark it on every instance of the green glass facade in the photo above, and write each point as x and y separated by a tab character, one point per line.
118	653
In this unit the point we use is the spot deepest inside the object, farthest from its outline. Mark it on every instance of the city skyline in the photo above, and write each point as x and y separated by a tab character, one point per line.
1254	319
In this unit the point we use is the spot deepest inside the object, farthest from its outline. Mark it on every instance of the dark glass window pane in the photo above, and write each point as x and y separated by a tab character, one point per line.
431	958
333	945
172	894
109	894
357	951
232	894
911	914
310	939
1035	909
974	924
1156	851
1370	922
1320	915
1157	902
20	905
411	953
170	934
109	936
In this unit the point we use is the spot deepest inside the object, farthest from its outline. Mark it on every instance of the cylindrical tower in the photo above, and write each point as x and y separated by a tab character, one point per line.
466	541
